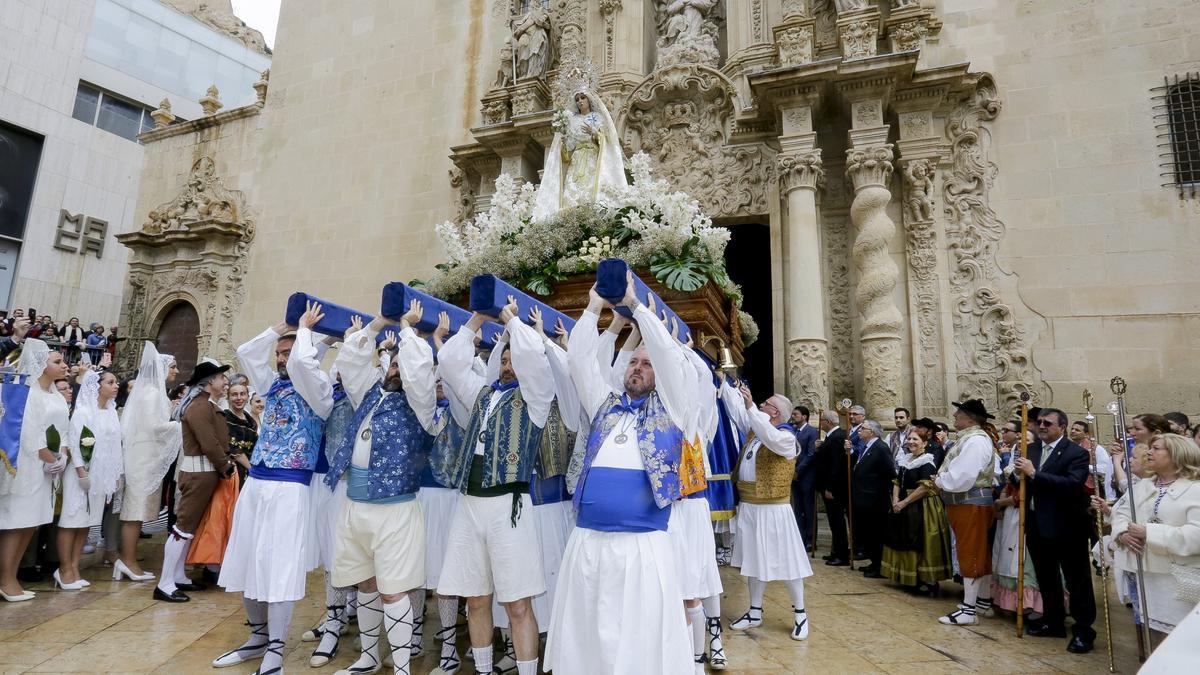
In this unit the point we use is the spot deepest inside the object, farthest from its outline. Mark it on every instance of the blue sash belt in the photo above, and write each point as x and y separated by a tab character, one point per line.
302	476
620	500
357	489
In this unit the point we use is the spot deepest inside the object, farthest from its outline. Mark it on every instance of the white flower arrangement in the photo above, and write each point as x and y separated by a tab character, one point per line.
646	223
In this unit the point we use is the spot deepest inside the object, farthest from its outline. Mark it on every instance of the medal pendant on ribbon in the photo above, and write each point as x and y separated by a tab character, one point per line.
366	434
621	438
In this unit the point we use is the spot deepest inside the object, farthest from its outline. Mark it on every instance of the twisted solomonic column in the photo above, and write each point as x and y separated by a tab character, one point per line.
870	170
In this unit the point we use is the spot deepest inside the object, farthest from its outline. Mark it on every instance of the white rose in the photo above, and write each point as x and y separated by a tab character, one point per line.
87	442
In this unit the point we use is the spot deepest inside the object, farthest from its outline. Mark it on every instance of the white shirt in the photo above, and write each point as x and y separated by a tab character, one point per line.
528	358
673	375
960	474
303	367
779	441
624	454
414	360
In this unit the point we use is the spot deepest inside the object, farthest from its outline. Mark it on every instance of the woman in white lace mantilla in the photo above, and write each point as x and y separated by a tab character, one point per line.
28	497
89	485
584	158
152	441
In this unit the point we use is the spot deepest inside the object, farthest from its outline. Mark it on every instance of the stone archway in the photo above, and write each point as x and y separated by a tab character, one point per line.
178	330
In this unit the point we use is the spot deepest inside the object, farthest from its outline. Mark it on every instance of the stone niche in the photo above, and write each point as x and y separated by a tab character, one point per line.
191	249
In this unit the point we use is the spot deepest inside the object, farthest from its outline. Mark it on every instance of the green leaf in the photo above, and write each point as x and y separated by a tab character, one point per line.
416	283
539	285
679	274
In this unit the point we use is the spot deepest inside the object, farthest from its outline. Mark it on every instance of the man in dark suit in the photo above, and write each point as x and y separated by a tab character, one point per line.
872	485
831	482
1057	527
805	478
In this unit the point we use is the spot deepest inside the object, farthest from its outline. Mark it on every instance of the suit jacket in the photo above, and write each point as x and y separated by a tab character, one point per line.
1058	499
873	475
806	465
831	464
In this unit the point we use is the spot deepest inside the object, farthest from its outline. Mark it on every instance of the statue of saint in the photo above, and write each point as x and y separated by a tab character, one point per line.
584	157
533	42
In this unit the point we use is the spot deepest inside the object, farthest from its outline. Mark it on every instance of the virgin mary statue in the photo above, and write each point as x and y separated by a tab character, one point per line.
584	157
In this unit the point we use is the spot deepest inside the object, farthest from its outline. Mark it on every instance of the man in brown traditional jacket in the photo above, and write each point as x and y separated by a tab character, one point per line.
205	460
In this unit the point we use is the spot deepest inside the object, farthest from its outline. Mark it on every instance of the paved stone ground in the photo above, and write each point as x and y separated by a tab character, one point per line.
858	626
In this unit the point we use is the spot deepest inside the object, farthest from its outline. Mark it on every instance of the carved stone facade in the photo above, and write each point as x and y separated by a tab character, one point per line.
195	249
945	319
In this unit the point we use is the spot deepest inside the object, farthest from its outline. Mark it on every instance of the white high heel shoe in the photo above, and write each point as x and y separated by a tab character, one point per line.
27	595
72	586
120	569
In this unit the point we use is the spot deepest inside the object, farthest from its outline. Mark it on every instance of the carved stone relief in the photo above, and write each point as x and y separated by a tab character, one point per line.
608	10
843	342
908	36
858	38
992	353
195	247
681	116
795	44
921	250
688	32
807	373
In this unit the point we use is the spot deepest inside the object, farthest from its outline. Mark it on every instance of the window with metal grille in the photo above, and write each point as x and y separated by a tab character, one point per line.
1177	120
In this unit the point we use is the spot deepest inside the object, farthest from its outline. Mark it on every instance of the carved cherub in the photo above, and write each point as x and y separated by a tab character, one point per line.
504	74
918	202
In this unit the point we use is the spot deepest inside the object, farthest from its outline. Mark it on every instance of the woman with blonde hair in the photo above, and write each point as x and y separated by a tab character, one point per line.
1168	538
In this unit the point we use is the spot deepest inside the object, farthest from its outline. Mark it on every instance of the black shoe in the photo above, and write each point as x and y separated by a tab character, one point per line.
177	596
1078	645
829	557
861	556
191	587
837	562
208	576
872	574
1046	630
958	578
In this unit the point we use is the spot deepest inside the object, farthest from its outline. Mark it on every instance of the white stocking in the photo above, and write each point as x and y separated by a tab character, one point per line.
696	618
398	622
370	620
174	556
796	589
279	618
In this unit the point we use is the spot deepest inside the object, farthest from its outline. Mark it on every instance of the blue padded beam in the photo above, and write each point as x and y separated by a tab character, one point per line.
610	285
395	301
489	294
336	320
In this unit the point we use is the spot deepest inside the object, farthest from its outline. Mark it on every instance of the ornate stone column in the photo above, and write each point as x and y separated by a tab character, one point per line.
922	149
800	176
869	168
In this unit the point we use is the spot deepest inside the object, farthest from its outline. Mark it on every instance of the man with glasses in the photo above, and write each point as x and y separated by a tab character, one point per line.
1056	528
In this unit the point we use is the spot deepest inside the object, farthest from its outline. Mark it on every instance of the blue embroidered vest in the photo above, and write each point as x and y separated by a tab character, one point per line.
290	434
399	445
660	443
444	468
336	424
510	440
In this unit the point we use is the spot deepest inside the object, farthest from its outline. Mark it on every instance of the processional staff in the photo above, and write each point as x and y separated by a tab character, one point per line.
1098	480
1117	408
1022	451
843	409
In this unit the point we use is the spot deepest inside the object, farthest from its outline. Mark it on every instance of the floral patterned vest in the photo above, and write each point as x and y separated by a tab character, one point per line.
660	443
290	435
399	445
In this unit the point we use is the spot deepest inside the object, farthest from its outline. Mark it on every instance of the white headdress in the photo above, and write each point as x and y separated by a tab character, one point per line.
107	465
35	354
146	411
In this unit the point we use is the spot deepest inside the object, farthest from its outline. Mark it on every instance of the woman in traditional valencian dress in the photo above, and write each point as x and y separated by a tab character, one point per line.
27	498
917	552
88	484
584	157
152	442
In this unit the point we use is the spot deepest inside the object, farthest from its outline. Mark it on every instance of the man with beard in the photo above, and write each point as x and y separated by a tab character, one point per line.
492	546
265	559
379	544
617	607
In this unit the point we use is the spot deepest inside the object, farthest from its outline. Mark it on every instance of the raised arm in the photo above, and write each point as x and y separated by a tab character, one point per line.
779	441
564	388
455	360
673	375
256	358
414	360
312	383
528	356
354	362
735	405
583	363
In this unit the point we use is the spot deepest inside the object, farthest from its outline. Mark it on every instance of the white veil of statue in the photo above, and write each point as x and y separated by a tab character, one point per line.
583	159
